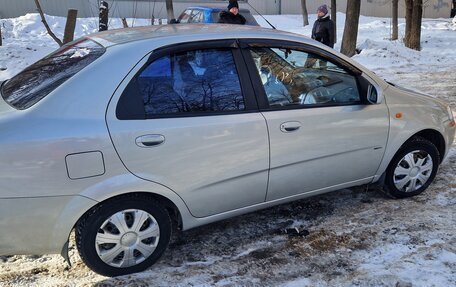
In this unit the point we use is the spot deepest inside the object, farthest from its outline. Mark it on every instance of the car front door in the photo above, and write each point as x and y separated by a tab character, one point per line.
189	120
323	133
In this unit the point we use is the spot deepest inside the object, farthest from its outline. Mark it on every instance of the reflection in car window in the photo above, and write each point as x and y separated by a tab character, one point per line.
37	81
191	16
293	77
185	16
194	81
196	17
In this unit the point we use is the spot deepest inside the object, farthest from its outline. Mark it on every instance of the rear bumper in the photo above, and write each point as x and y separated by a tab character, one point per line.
39	225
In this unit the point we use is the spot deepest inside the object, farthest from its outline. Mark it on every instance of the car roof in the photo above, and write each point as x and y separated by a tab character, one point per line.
215	8
206	31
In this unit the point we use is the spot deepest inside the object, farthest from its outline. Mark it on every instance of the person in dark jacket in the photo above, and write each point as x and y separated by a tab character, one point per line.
323	28
232	16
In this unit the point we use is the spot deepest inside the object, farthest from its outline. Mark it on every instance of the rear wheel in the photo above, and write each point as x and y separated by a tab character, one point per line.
124	235
412	169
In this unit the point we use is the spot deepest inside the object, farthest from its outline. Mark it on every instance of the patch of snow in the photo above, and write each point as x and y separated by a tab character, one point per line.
80	53
299	283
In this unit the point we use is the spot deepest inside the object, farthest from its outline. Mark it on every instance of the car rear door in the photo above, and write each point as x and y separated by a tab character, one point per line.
188	120
323	133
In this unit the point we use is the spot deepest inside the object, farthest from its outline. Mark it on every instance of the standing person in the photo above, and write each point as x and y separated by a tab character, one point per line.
323	28
232	16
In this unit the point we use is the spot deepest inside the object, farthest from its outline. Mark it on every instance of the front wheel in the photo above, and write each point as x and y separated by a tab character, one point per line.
412	169
125	235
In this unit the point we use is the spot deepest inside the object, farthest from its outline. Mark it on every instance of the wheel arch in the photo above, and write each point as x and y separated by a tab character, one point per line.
434	136
168	204
415	144
87	226
172	209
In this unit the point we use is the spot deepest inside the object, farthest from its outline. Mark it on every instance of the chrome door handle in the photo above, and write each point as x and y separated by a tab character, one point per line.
149	140
290	127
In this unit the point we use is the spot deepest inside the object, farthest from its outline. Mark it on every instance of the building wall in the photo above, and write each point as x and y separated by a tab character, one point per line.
118	8
15	8
378	8
147	8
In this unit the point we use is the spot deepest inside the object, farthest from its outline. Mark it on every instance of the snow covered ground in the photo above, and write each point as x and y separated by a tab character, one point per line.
353	237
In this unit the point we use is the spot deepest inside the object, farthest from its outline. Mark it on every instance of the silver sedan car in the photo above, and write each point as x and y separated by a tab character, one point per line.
125	135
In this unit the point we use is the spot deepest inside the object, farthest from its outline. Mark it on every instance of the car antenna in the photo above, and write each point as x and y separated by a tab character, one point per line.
261	16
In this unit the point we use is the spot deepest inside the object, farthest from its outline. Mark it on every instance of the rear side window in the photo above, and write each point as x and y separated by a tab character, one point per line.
198	81
37	81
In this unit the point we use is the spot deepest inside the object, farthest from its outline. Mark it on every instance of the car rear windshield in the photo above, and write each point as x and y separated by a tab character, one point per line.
38	80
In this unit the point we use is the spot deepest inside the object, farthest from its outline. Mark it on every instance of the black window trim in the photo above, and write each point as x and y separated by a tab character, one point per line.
250	102
260	93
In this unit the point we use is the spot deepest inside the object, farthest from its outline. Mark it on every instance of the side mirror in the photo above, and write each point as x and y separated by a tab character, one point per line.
374	95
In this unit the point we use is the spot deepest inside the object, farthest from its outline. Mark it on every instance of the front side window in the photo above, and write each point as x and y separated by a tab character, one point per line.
291	77
37	81
191	82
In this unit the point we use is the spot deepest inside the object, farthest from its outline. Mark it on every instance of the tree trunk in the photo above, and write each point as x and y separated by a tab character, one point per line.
413	18
1	35
395	34
415	33
68	36
453	9
350	36
408	20
334	18
43	19
305	15
170	10
103	16
124	23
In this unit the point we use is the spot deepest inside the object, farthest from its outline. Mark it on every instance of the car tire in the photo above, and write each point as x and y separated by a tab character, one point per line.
412	169
124	235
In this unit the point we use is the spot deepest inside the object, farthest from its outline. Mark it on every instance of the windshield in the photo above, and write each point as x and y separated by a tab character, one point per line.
37	81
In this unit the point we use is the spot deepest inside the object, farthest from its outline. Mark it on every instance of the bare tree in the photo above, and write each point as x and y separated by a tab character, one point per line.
414	15
395	7
408	19
43	19
305	15
70	25
417	16
334	18
124	22
170	10
348	47
103	16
